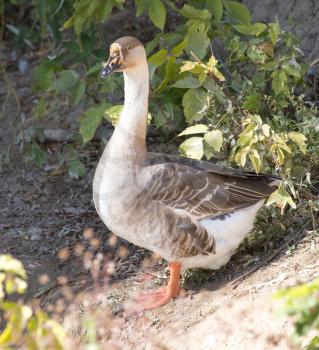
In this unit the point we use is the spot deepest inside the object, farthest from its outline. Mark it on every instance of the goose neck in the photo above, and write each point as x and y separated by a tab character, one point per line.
130	132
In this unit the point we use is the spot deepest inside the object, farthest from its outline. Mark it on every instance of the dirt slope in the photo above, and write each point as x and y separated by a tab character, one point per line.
217	315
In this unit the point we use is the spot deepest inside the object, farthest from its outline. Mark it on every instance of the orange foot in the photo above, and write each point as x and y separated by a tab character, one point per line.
162	296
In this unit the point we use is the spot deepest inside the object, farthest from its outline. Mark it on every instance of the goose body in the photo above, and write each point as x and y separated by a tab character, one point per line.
192	213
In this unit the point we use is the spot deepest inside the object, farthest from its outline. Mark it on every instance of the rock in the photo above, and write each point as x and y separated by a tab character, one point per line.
23	65
57	135
35	233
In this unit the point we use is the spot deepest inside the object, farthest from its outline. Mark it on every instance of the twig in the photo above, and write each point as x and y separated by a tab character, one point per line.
45	290
160	108
313	63
235	283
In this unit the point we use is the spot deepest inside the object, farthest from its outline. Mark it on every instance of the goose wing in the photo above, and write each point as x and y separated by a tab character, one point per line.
204	190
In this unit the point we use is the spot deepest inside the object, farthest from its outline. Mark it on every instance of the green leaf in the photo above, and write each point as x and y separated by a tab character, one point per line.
43	77
113	113
214	139
187	83
157	13
91	120
245	138
251	29
238	11
151	45
70	153
281	197
66	79
35	154
274	32
256	55
105	10
198	41
141	6
270	66
179	48
96	68
76	168
214	89
255	159
299	139
195	103
158	58
191	12
253	103
194	129
216	8
292	68
193	147
77	92
279	82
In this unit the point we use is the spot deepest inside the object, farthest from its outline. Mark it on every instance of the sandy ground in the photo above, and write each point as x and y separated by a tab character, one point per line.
219	314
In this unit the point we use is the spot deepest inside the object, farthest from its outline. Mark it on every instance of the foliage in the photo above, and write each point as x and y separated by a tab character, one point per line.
302	304
24	326
235	81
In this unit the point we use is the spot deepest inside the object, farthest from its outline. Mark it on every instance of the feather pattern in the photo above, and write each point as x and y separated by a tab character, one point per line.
188	211
201	188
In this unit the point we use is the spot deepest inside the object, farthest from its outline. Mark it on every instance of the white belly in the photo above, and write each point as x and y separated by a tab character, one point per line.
228	231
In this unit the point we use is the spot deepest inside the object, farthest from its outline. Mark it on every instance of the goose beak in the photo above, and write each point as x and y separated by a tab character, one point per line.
114	64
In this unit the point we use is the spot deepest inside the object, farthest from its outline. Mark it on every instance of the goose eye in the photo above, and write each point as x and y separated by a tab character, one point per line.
129	48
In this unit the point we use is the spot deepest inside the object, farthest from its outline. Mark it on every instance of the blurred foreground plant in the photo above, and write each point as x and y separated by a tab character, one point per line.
24	326
302	304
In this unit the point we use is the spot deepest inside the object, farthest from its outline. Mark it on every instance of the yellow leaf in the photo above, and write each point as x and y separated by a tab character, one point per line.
187	66
266	130
281	197
211	67
194	67
255	159
214	139
299	139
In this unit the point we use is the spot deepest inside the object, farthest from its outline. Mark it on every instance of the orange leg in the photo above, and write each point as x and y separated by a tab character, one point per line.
162	296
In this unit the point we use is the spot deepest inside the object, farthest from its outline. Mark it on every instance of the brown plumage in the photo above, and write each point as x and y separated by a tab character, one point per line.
193	213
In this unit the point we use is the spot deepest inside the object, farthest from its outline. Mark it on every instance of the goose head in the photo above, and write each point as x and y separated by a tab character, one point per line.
126	54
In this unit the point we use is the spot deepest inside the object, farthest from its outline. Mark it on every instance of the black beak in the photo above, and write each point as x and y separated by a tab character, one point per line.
112	65
107	70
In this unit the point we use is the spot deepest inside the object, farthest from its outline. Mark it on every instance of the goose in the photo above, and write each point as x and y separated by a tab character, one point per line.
192	213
